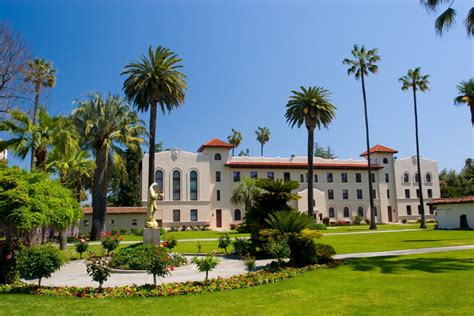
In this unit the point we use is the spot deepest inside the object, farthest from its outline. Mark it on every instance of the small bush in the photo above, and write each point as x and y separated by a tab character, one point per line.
342	222
162	232
199	247
137	231
184	228
157	263
303	251
170	243
233	226
367	221
357	220
123	231
278	249
249	262
206	264
98	269
110	242
242	246
325	253
114	231
317	226
37	262
326	221
224	242
404	221
133	257
81	246
173	229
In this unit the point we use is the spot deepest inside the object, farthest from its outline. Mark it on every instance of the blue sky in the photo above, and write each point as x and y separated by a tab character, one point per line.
243	58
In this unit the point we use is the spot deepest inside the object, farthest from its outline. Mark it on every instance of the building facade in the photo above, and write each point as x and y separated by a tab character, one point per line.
197	187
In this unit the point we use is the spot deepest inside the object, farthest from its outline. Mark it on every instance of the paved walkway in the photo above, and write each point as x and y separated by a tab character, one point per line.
75	274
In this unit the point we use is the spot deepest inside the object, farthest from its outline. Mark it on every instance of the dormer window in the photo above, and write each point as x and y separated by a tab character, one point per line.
217	156
385	161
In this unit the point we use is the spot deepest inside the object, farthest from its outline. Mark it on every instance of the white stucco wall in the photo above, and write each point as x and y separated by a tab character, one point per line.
448	215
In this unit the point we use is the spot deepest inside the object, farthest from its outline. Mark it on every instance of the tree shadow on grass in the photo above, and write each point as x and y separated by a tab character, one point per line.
396	264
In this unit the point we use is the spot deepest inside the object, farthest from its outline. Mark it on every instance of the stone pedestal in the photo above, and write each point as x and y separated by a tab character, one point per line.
151	236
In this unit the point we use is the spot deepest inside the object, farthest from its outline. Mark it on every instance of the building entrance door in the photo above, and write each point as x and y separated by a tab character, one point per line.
218	218
389	210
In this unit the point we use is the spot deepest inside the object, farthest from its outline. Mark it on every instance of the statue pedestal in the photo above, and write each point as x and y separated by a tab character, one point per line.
151	236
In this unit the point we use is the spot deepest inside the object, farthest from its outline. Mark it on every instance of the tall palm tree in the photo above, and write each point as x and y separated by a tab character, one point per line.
235	139
245	193
263	136
446	19
466	96
312	107
155	80
414	80
104	124
365	61
41	74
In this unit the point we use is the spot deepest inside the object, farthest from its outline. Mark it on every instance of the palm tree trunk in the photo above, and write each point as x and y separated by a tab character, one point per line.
261	149
420	178
471	106
99	194
35	121
151	157
310	171
373	225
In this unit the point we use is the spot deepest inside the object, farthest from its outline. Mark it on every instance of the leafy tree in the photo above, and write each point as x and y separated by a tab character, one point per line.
313	108
104	124
466	96
321	152
129	188
158	263
365	61
38	262
155	80
446	19
263	136
454	184
235	139
414	80
224	242
206	264
98	269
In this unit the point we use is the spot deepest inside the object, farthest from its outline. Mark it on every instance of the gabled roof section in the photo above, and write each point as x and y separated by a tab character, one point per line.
456	200
300	165
380	149
215	143
119	210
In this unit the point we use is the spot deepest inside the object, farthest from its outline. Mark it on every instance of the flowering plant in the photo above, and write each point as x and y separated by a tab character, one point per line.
158	263
110	242
81	246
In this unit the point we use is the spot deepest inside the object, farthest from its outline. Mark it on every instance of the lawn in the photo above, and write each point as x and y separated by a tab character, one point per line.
357	228
439	283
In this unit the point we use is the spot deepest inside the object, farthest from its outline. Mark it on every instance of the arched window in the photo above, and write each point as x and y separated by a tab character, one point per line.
159	181
331	212
237	215
385	161
360	211
217	156
406	177
193	185
417	177
346	212
428	177
176	185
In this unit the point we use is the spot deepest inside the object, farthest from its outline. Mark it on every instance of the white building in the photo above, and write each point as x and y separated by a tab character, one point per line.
197	187
454	213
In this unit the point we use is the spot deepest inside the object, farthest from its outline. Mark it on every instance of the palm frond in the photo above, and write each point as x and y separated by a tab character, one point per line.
469	22
445	20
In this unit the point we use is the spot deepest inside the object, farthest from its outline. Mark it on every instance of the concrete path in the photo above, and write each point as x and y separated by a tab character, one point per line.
75	274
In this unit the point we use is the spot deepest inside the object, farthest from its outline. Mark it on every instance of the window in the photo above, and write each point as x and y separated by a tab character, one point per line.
430	193
345	194
176	185
315	178
387	179
428	177
407	193
176	215
358	177
86	222
406	177
331	212
237	215
194	215
236	176
372	176
218	176
374	194
217	156
134	222
329	177
253	175
388	193
193	185
344	177
301	178
431	209
417	177
385	161
218	195
330	195
270	175
346	212
359	194
418	193
159	182
286	176
360	211
408	209
111	222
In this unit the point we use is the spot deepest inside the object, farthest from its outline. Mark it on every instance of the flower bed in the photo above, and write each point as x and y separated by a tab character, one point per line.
213	285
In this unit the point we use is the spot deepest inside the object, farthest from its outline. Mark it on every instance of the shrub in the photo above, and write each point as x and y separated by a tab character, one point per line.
278	249
199	247
302	251
233	226
98	269
133	257
317	226
404	221
110	242
8	269
162	232
342	222
242	246
123	231
170	243
157	263
173	229
326	221
249	262
177	260
137	231
224	242
114	231
325	253
367	221
184	228
37	262
206	264
81	246
357	220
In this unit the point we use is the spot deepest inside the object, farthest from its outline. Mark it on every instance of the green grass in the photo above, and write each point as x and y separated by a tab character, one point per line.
357	228
439	283
203	234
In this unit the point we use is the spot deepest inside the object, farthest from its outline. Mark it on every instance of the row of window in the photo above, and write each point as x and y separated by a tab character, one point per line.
406	177
408	194
409	211
176	184
237	215
359	194
287	176
346	212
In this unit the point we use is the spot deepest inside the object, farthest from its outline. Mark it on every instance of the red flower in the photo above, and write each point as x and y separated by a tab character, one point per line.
172	268
9	256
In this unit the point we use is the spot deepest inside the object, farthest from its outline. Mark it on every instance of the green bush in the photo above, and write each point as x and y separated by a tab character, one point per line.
162	232
357	220
123	231
37	262
302	251
158	263
243	246
133	257
224	242
404	221
137	231
81	246
326	221
325	253
206	264
170	243
317	226
249	262
110	241
8	268
278	249
98	269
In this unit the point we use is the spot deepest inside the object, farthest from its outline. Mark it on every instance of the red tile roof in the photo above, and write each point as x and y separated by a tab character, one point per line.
215	143
299	165
120	210
380	149
456	200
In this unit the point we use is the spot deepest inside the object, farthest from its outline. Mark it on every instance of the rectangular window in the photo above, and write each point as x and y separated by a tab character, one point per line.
270	175
344	177
329	177
176	215
345	194
301	178
111	222
408	209
373	177
286	176
388	193
387	179
315	178
194	215
358	177
374	194
86	222
407	193
359	194
330	195
253	175
218	176
236	176
134	222
218	195
418	193
430	193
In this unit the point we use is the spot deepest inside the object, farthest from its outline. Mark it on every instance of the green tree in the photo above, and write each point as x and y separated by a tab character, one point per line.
235	139
206	264
155	80
129	189
245	193
322	152
466	96
414	80
38	262
263	136
104	124
313	108
41	74
446	19
365	61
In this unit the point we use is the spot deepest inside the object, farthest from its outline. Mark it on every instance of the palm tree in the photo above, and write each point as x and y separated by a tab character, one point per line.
312	107
263	136
416	81
41	74
446	19
235	139
365	61
104	124
245	193
466	96
155	80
